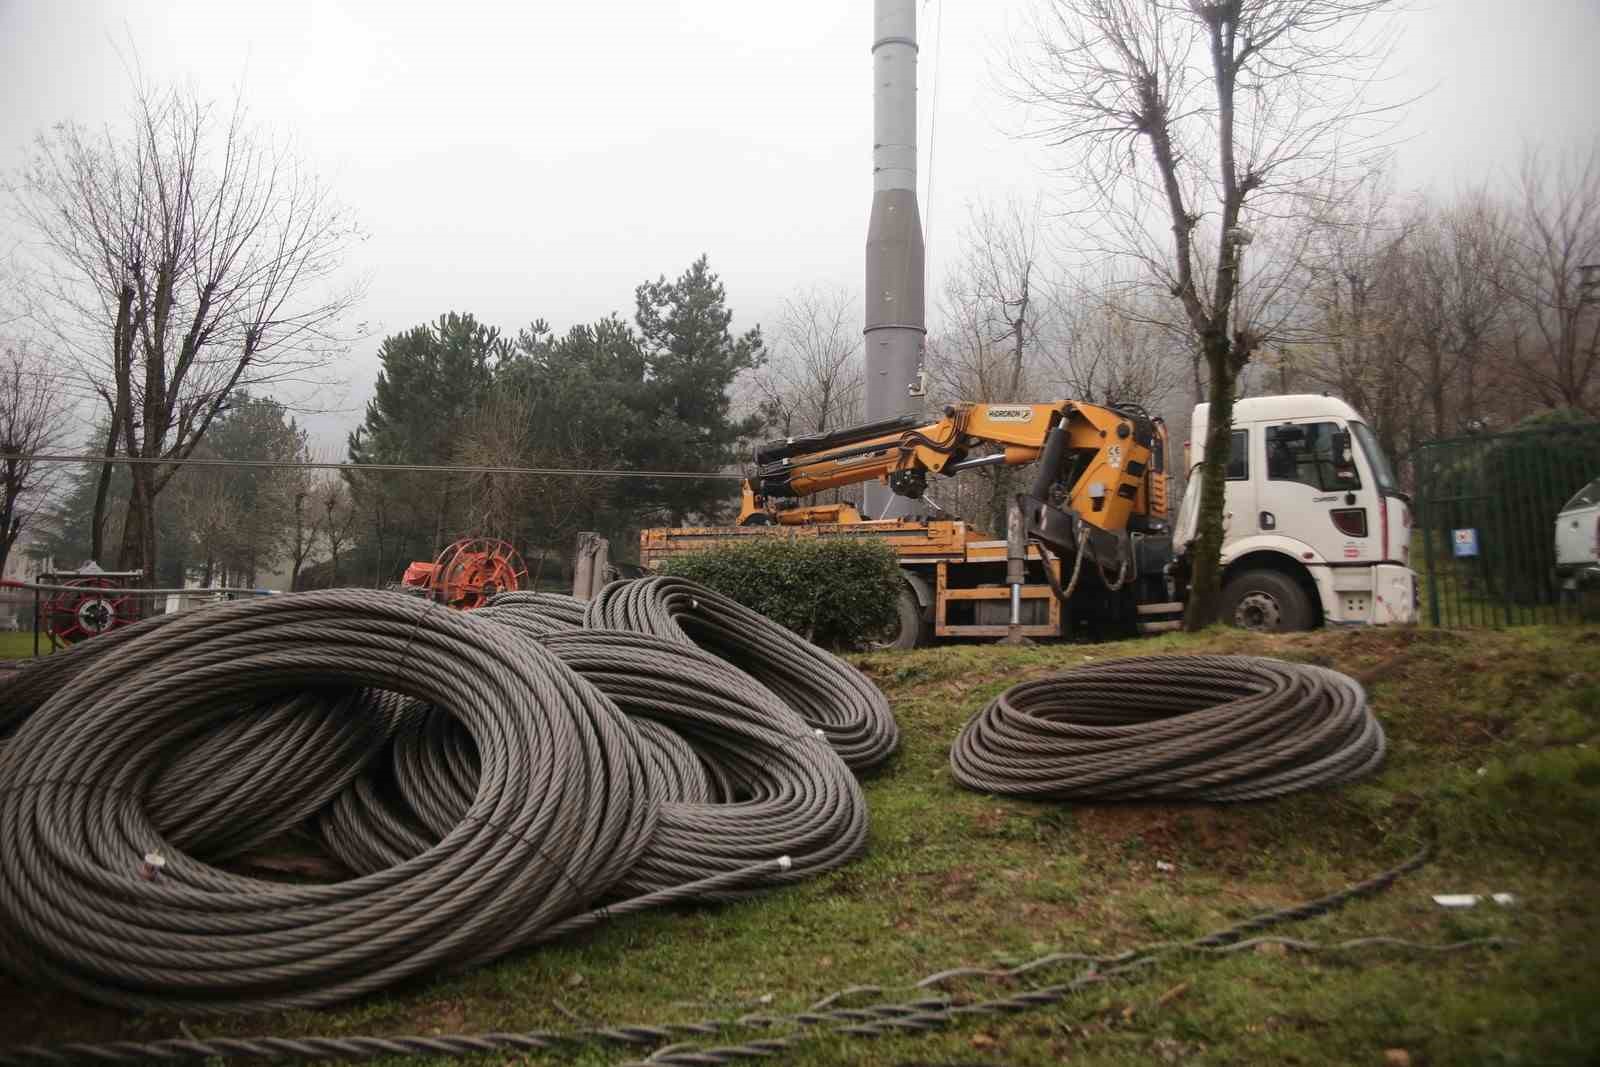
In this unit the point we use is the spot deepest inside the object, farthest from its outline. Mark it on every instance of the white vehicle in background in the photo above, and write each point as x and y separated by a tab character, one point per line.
1578	539
1316	529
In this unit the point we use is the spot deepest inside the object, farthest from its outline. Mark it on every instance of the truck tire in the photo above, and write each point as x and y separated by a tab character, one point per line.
1266	601
910	630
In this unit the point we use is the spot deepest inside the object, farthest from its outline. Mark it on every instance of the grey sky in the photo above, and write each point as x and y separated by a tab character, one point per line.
540	158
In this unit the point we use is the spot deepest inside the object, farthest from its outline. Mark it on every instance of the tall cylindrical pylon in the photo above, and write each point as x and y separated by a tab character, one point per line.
896	321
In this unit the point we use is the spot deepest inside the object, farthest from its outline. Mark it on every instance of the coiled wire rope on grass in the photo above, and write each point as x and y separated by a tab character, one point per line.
546	611
828	693
1215	728
745	779
562	811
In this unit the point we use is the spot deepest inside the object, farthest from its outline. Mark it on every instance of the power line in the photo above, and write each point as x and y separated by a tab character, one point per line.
421	468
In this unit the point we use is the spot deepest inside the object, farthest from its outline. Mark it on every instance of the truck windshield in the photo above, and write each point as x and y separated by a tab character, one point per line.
1382	473
1587	497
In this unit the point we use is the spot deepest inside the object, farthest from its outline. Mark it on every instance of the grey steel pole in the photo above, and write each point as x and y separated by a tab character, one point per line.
896	321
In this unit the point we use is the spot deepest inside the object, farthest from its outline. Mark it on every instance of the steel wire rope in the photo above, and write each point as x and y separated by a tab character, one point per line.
562	811
828	693
1219	728
745	778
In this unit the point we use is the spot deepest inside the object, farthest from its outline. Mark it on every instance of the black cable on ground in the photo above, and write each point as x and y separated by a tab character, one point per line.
1171	727
828	693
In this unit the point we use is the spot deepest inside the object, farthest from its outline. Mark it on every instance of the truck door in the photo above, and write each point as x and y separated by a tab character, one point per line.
1238	511
1310	494
1238	495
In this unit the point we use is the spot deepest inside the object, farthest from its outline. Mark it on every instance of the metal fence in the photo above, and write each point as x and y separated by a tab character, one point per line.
1486	517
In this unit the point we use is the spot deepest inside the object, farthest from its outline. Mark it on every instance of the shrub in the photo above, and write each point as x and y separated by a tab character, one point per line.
835	592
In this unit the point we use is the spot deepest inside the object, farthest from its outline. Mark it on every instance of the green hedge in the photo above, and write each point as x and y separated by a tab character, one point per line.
835	592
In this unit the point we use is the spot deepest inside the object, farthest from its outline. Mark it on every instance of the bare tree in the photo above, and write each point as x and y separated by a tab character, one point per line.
1557	336
32	420
994	301
1203	112
296	489
1451	278
1105	344
1353	334
812	380
338	522
188	257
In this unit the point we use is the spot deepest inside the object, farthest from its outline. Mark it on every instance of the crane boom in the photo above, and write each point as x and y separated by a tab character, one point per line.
1099	468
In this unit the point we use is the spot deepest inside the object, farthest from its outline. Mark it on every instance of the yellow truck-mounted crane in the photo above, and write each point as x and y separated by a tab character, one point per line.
1096	510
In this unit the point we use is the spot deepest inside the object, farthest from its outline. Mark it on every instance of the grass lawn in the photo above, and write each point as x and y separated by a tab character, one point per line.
20	645
1495	743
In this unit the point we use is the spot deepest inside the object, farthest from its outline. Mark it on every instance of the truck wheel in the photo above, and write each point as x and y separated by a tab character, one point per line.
1266	601
909	629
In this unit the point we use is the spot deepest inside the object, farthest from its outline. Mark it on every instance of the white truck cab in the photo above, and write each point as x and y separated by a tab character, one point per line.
1316	529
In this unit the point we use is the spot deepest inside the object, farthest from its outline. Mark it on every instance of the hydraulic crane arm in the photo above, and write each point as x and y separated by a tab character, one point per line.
1095	466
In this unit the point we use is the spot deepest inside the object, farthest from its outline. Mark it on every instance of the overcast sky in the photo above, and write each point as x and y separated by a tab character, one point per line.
541	158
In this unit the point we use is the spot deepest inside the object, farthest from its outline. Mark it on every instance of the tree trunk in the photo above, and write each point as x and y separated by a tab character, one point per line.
138	550
10	528
102	492
1205	583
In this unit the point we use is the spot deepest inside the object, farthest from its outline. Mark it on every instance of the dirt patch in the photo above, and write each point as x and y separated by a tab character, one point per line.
958	883
1192	829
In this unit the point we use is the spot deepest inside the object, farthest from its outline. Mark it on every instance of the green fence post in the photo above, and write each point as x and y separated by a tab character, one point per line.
1425	520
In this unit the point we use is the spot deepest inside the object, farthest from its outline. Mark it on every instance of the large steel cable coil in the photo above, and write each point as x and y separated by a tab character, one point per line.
745	778
562	811
1171	727
827	692
553	607
783	784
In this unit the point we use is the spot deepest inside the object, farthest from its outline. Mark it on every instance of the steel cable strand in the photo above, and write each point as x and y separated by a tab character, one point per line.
780	789
1191	727
561	812
423	782
789	790
425	778
828	693
1123	752
251	777
1143	757
556	606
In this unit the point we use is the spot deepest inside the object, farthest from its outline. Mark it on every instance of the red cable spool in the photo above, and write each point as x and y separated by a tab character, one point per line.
95	604
469	572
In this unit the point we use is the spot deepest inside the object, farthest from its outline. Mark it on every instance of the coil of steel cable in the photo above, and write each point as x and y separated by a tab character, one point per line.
493	777
828	693
1216	728
553	610
744	777
562	810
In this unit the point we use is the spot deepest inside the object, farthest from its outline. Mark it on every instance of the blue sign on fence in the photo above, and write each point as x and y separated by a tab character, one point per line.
1466	543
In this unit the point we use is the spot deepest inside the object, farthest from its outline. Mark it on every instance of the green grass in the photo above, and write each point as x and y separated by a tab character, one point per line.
20	645
1495	743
